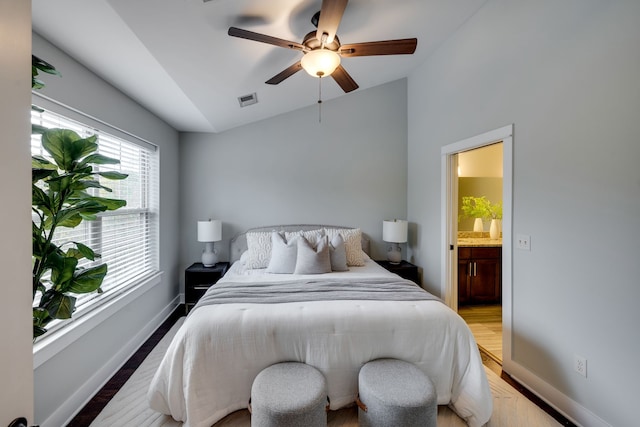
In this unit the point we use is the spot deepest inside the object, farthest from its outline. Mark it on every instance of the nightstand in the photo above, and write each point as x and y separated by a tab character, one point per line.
405	269
198	278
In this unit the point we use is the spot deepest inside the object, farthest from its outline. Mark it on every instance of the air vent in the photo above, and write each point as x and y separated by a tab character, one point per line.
248	99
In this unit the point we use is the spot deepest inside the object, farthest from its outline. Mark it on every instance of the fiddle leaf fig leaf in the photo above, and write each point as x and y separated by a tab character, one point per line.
37	129
38	331
40	313
67	148
40	199
61	306
88	280
98	159
62	270
36	83
113	175
39	162
88	183
41	168
87	252
40	174
71	221
111	204
42	65
82	251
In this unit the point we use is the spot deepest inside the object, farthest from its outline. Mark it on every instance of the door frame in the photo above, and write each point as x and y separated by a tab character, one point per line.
449	223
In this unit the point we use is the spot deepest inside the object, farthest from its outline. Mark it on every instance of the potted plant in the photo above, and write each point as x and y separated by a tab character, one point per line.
481	208
478	208
62	197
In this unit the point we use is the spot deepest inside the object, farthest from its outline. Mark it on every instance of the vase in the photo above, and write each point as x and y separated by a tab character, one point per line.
478	226
494	229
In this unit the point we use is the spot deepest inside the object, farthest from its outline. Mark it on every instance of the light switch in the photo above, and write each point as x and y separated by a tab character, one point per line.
523	242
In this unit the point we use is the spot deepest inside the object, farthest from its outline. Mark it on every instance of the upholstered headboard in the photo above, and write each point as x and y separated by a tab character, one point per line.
238	243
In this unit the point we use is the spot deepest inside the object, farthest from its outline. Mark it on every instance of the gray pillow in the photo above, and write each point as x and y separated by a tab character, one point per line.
283	254
312	260
338	254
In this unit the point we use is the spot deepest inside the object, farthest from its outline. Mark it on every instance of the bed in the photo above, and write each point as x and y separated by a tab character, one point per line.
335	321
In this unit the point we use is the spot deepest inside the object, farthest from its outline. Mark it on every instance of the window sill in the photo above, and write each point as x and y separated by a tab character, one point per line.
54	342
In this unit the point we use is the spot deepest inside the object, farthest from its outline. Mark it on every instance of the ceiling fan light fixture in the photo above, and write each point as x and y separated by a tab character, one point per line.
320	62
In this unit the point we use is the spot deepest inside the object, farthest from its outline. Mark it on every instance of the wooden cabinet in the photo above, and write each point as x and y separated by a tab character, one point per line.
404	269
198	278
479	275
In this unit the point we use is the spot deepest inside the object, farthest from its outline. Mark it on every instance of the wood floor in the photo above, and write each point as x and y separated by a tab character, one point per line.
485	322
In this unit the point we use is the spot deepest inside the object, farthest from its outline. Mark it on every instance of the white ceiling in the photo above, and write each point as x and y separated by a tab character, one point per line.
175	58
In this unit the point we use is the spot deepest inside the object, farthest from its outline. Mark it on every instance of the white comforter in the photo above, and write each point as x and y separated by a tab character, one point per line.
210	365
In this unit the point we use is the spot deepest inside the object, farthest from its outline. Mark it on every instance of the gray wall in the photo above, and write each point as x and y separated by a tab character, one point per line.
350	169
566	75
82	362
16	366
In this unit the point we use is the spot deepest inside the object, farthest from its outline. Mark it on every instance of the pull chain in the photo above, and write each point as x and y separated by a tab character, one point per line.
319	98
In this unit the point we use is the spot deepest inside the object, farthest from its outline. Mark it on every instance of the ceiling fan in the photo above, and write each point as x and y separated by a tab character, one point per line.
322	49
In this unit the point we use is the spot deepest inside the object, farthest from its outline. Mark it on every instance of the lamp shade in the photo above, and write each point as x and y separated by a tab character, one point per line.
320	62
210	231
394	231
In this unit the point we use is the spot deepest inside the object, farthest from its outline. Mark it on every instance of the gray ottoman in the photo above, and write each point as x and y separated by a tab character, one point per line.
289	394
395	393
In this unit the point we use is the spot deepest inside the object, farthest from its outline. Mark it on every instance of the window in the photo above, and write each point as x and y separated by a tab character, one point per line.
126	238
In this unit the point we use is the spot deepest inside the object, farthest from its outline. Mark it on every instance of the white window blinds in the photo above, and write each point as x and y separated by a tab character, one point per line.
126	238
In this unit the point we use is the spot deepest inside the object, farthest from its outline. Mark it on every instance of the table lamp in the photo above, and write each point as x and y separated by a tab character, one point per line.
395	232
209	232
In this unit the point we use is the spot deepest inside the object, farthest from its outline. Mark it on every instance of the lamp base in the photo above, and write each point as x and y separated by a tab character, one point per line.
209	255
394	255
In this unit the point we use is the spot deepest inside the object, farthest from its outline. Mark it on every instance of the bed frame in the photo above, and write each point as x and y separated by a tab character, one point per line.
238	243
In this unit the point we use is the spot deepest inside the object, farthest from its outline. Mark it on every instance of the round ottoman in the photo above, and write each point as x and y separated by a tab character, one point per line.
289	394
395	393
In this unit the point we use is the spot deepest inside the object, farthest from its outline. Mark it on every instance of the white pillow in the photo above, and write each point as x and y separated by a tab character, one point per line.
259	249
259	245
353	243
338	254
312	260
283	254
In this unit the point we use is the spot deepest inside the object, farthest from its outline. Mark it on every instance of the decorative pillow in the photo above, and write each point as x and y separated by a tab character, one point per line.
313	261
311	235
283	254
353	243
259	245
259	249
338	254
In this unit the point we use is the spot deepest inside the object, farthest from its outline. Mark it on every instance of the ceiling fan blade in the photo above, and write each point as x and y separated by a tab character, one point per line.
330	16
385	47
285	74
344	80
250	35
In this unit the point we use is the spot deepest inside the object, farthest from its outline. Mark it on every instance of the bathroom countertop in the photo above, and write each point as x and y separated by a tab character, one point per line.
471	242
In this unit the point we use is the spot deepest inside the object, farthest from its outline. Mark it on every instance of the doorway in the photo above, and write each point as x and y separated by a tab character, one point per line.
450	250
479	214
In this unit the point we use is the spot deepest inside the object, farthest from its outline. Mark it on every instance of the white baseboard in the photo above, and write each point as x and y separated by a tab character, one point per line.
65	413
569	408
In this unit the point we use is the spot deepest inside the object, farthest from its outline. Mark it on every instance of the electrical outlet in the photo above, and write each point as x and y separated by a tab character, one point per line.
580	365
523	242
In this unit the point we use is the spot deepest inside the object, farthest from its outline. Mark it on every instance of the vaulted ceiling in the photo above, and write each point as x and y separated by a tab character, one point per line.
176	59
